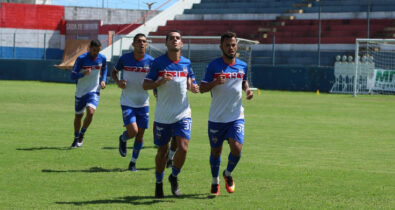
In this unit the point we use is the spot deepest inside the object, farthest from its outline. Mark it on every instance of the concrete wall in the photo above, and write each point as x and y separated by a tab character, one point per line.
108	16
295	78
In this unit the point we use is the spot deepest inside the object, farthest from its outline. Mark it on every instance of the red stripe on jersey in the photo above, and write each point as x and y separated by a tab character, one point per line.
174	73
91	67
230	75
136	69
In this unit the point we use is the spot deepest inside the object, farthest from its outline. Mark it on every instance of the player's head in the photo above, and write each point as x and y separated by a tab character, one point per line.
228	44
94	48
140	43
173	41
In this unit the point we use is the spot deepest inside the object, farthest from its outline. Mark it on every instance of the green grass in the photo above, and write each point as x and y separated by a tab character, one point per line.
301	151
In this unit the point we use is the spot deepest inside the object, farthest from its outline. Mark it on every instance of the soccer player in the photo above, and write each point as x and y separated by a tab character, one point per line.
134	100
173	143
171	75
226	77
90	73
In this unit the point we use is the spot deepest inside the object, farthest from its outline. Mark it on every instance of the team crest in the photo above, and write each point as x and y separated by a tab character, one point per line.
214	140
158	134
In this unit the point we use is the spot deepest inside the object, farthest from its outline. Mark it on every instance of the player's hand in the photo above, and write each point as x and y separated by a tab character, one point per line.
221	78
166	77
195	88
121	84
249	94
87	72
102	84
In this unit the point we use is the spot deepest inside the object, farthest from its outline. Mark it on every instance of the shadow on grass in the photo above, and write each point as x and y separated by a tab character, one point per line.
136	200
144	147
43	148
94	170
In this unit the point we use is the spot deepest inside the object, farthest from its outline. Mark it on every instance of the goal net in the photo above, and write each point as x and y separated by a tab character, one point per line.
201	50
370	71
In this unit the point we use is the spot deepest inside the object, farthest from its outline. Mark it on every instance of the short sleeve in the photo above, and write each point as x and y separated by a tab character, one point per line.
119	65
153	72
245	73
209	74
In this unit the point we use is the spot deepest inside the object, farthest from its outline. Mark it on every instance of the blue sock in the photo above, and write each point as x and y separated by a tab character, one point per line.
232	162
215	163
159	176
76	134
175	171
82	132
125	136
136	150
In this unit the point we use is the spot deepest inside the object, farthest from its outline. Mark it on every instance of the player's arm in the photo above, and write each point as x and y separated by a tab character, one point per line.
103	74
114	75
191	82
75	73
149	82
246	88
192	85
207	86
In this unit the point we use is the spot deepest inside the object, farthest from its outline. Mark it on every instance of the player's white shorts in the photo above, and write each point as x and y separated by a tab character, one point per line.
140	116
90	99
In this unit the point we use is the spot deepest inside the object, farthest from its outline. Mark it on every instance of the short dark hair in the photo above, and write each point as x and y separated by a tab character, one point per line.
168	34
228	35
137	36
95	43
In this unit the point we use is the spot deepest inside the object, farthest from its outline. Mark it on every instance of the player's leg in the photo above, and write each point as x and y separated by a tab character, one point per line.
142	119
235	138
182	132
77	126
138	145
92	100
130	132
79	113
87	121
129	121
216	137
172	151
162	133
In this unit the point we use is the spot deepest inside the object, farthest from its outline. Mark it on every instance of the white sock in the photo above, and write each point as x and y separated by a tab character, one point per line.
215	180
171	154
227	173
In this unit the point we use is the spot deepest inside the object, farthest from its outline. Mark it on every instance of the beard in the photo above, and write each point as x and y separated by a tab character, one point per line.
229	56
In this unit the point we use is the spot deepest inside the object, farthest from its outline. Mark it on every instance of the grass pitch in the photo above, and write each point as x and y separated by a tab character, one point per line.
301	151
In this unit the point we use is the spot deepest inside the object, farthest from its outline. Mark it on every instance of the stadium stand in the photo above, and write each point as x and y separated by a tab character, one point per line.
292	23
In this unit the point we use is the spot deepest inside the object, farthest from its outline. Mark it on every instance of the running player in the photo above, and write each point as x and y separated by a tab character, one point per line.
90	73
171	75
134	100
226	77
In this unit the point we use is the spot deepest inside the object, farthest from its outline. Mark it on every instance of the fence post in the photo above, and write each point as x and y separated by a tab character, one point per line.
189	48
274	48
45	47
368	20
319	37
13	48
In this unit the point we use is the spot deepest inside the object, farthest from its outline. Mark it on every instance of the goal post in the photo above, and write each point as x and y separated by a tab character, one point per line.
374	70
